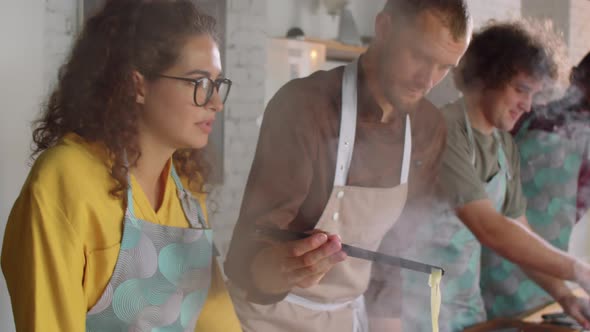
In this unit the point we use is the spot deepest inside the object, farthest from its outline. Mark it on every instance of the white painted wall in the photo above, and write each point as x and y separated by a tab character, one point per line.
569	17
284	14
579	38
61	25
364	12
22	72
281	17
557	11
482	11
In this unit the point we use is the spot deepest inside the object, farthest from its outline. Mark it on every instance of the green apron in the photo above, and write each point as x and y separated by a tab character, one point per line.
452	245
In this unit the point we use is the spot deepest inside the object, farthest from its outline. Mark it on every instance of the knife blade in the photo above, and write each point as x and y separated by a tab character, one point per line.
352	251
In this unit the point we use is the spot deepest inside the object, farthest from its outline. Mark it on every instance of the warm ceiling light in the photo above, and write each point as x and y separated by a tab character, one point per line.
313	54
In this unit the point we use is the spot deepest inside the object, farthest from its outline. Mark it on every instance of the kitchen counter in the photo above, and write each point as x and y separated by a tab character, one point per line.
530	322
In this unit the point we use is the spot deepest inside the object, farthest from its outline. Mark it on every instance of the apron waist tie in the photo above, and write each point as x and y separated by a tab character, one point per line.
360	320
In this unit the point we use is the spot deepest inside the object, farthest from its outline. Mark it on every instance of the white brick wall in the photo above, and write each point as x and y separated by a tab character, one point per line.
579	30
246	37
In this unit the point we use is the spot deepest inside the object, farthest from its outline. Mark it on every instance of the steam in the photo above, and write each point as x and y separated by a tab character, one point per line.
406	294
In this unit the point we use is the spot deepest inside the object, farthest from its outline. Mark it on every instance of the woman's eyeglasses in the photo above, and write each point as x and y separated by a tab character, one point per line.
204	88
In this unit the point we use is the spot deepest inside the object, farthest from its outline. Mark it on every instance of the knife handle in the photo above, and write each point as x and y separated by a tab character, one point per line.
281	234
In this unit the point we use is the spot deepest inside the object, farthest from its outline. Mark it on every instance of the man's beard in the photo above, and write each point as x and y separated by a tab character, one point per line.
397	103
400	105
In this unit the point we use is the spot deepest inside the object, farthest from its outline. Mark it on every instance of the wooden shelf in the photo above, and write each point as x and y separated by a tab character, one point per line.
337	51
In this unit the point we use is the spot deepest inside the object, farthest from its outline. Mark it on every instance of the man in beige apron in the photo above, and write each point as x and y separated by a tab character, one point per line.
337	303
335	156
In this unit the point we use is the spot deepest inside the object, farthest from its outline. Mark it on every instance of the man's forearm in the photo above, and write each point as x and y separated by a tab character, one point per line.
515	241
557	288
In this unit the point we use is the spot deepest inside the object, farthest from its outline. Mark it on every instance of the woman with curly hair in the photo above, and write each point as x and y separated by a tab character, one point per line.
110	230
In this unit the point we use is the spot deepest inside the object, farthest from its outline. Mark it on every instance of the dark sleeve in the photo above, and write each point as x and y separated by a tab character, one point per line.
384	297
583	197
278	183
582	204
579	129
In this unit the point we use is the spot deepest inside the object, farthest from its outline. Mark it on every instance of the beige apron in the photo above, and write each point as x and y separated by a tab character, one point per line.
361	216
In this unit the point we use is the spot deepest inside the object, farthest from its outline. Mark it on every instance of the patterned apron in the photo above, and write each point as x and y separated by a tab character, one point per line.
450	244
162	275
550	165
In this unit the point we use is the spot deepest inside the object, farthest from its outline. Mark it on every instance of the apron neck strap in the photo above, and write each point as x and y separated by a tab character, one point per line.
192	210
348	129
190	205
175	177
130	211
407	152
469	131
502	160
347	123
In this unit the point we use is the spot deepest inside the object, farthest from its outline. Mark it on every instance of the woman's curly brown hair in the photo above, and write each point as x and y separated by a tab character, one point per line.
96	95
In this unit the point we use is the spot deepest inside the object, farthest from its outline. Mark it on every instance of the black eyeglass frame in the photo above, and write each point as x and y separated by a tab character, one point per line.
196	81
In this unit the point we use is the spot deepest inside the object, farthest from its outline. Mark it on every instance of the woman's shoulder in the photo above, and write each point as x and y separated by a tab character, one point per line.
72	176
72	160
